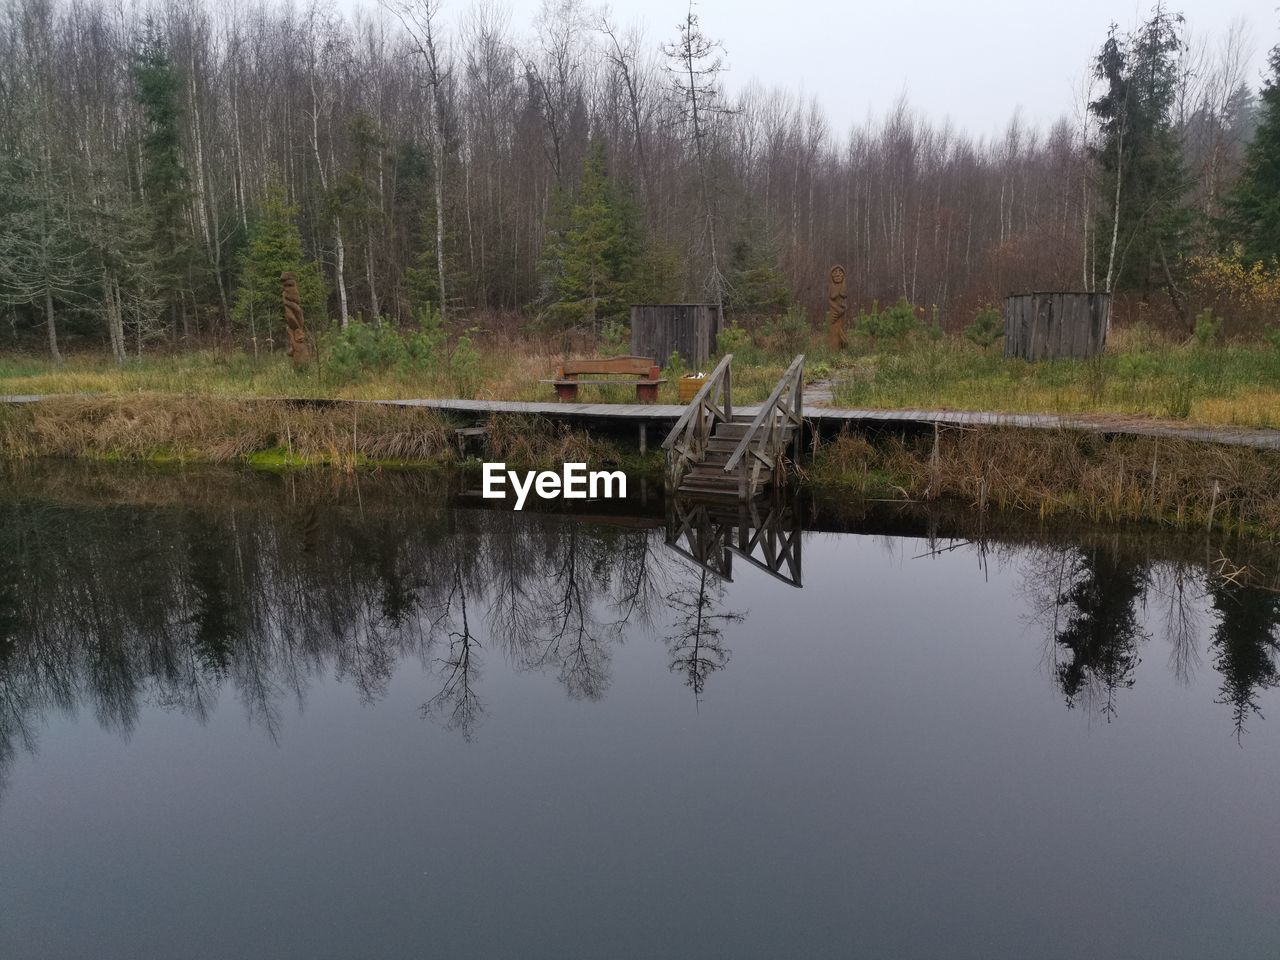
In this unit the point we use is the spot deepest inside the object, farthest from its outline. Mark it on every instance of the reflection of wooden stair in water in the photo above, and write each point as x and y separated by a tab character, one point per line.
707	477
713	453
710	533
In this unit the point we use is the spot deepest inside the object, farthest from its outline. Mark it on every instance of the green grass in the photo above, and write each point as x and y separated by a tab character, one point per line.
506	372
1141	375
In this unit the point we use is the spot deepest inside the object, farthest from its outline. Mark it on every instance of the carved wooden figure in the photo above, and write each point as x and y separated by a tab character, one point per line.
837	307
299	347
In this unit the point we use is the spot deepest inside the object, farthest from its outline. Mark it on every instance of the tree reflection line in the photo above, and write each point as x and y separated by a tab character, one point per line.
116	607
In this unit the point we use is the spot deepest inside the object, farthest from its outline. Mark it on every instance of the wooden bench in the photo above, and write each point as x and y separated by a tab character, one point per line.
567	383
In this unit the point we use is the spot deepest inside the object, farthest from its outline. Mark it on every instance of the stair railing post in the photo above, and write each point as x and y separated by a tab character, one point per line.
798	440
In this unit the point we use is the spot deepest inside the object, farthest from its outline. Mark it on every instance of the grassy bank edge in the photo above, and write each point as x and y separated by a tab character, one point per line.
1109	479
1183	483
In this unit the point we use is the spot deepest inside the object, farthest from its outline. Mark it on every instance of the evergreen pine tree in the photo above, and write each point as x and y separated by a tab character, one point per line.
164	178
1143	220
1253	207
755	284
594	261
274	247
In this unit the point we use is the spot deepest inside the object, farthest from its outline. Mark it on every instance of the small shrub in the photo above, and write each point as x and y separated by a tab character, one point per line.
818	371
736	341
986	328
365	348
1249	292
893	323
615	339
934	330
1137	366
423	347
1272	335
1208	327
787	334
675	368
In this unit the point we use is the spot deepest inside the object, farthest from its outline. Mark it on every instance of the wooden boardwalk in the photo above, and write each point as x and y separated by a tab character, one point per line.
832	418
868	418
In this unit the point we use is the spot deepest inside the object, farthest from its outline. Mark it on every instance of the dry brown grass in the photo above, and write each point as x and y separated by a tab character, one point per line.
1183	482
216	430
539	442
274	432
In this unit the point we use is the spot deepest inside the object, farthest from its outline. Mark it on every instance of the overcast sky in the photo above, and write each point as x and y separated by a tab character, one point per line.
971	61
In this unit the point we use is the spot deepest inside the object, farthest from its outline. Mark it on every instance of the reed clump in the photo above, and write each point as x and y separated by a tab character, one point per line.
1170	480
539	442
166	428
219	430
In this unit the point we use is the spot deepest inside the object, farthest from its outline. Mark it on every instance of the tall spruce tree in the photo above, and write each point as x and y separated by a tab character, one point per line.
274	247
755	284
1143	219
594	261
1253	207
164	178
359	196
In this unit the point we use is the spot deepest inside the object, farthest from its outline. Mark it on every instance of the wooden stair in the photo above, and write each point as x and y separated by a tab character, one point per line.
707	477
713	453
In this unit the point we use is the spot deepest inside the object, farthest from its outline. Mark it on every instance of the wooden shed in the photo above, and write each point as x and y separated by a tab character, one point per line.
1056	326
660	329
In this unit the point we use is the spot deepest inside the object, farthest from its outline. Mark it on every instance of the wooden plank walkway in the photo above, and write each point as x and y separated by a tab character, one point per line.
657	414
1117	425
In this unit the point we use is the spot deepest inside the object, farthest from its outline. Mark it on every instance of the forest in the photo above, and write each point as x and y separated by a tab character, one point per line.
161	165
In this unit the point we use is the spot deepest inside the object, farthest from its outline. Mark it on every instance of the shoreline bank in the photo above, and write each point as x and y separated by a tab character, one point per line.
1166	477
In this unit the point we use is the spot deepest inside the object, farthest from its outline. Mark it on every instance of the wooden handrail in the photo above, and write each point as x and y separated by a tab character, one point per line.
687	442
696	403
767	411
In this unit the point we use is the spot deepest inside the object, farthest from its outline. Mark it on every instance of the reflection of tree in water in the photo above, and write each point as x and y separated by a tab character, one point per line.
112	607
642	578
562	593
13	730
1178	584
457	702
1244	645
573	639
119	606
1088	601
696	644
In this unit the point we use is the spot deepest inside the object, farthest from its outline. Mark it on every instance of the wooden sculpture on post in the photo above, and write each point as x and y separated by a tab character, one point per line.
298	347
837	307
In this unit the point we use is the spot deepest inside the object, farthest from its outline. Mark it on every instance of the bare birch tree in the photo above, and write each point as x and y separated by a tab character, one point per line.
419	18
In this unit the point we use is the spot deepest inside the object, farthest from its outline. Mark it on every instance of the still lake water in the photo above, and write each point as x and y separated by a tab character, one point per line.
250	716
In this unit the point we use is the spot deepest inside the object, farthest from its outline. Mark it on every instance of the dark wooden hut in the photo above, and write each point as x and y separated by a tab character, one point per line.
660	329
1055	326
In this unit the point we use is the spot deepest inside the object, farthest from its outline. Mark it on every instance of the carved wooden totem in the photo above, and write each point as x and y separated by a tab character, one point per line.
298	346
837	307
